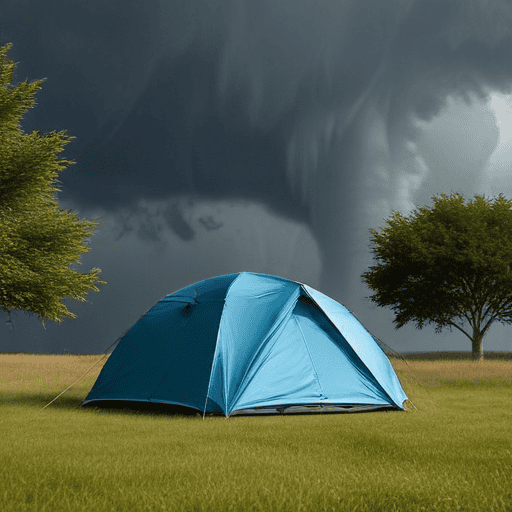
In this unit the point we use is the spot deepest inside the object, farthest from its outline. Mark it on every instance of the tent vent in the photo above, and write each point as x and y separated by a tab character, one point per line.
187	310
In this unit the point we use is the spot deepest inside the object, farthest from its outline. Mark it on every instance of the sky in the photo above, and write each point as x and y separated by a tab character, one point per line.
215	137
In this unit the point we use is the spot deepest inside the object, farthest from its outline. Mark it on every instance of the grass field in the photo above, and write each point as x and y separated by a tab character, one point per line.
454	452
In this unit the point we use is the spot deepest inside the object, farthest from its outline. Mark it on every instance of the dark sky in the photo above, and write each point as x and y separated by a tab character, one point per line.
219	136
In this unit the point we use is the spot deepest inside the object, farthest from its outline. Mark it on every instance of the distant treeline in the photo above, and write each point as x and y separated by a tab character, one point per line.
455	355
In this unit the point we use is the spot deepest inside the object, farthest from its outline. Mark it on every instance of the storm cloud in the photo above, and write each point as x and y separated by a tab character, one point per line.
315	111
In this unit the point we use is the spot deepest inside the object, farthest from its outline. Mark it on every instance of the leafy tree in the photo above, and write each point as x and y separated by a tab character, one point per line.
39	242
449	265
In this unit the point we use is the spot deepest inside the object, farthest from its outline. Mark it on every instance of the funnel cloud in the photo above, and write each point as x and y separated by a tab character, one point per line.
318	112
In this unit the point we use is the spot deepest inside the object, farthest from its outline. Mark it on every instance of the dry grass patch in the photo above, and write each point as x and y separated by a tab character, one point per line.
454	372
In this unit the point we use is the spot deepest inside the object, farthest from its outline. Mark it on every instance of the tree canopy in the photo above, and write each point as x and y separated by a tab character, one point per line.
39	241
448	265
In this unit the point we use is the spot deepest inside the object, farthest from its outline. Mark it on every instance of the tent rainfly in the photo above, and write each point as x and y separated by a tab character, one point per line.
249	343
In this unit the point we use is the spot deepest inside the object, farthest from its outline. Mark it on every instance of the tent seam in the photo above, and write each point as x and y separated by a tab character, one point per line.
309	354
385	355
213	360
376	381
215	352
256	356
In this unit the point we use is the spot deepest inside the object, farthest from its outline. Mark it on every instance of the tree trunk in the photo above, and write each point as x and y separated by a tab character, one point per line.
477	349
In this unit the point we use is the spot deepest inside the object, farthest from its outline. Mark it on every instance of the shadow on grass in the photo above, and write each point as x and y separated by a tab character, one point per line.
126	408
40	400
145	408
73	403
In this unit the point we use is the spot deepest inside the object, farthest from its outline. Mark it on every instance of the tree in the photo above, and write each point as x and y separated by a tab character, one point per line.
449	265
39	241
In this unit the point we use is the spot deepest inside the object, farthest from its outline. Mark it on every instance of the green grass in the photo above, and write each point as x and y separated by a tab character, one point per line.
454	452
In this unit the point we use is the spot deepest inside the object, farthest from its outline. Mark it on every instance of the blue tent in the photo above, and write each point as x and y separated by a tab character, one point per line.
246	344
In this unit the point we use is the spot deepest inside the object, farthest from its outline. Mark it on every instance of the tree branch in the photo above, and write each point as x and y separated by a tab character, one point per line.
488	324
460	329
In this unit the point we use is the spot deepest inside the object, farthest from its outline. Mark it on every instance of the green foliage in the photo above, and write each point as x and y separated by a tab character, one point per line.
447	265
38	240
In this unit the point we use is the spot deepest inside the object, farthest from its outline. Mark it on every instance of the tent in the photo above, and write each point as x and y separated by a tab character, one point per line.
249	343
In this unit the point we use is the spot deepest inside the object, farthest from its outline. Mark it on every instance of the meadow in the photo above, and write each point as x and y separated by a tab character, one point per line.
452	452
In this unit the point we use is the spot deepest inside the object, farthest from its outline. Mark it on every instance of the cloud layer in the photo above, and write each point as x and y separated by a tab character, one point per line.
312	110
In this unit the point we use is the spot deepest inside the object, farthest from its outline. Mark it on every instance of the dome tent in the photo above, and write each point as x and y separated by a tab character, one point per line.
249	343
